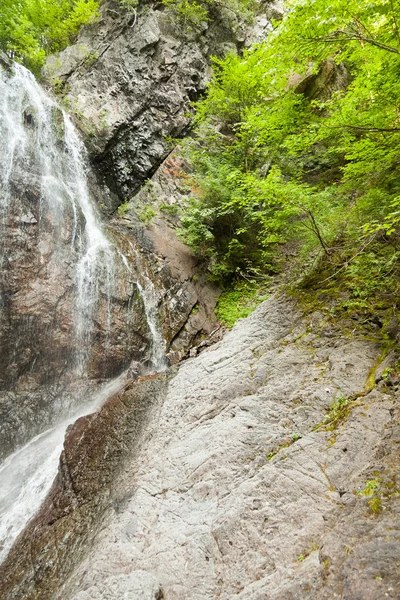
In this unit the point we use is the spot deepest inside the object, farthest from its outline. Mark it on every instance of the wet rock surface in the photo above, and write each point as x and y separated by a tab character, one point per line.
93	458
241	486
187	299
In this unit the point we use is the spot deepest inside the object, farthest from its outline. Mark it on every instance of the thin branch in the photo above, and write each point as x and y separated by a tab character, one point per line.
358	127
346	264
349	37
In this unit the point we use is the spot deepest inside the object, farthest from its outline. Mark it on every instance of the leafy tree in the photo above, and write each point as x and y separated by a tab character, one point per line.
31	29
275	163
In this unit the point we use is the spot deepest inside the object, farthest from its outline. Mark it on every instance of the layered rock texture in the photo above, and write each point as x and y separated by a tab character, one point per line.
129	82
265	469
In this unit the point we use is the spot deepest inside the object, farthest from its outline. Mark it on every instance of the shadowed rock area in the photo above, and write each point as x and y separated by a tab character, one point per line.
129	81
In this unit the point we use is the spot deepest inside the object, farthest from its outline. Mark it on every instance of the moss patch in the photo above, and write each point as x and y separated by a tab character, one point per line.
239	301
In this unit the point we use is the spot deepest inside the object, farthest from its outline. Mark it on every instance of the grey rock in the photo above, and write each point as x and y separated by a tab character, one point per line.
129	81
28	219
330	78
135	370
137	585
223	500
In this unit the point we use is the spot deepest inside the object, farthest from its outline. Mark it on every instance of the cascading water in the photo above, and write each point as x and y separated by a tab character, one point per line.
30	128
27	474
38	139
151	301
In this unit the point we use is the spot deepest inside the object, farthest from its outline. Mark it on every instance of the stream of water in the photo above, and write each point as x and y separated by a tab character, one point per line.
38	138
27	474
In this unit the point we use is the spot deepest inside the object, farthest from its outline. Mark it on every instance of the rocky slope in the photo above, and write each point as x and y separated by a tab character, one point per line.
246	483
237	494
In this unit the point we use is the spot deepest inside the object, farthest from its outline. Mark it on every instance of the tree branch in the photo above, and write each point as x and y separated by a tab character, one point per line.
349	37
359	128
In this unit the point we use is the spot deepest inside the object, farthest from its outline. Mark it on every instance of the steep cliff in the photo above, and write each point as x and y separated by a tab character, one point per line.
129	81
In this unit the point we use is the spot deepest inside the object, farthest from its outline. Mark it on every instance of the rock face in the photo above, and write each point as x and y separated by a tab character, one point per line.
147	289
237	494
187	299
330	78
55	325
248	483
94	452
129	81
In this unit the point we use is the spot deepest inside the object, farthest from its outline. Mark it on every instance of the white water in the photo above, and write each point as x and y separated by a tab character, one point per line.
39	143
151	301
60	170
26	476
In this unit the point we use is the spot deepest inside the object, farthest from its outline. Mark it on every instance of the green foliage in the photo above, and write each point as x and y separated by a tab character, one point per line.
372	491
31	29
146	213
338	412
189	12
370	488
192	13
239	302
123	208
279	165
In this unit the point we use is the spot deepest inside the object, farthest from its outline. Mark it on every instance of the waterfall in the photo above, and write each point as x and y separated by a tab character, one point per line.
151	301
31	125
41	153
27	474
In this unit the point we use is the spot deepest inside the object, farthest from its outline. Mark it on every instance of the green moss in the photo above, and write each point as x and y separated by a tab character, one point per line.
239	302
338	413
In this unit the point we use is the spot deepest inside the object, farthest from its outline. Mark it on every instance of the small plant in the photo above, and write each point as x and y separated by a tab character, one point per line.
170	209
314	546
103	119
296	436
338	412
372	489
123	208
301	557
57	85
195	309
129	5
189	12
386	373
375	504
146	214
91	58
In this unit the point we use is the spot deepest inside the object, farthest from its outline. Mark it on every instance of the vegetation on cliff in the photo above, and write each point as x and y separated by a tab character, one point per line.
31	29
296	153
